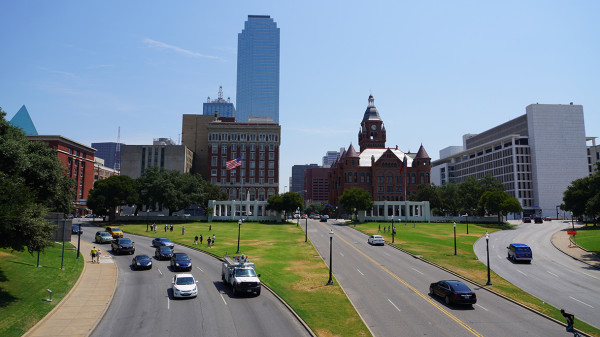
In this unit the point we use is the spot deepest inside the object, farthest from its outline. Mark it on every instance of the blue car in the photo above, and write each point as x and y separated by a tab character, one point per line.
163	253
180	261
162	242
141	262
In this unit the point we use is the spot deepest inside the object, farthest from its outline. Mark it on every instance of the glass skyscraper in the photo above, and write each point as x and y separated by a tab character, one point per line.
258	69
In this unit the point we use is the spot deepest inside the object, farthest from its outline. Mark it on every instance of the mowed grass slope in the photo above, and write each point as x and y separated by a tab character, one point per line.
434	242
23	286
588	237
288	265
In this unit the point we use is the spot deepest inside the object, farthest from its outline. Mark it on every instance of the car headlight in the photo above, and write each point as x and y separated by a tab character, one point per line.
177	264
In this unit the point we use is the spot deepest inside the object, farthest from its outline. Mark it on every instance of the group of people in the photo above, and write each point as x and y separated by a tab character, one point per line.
210	241
154	226
96	254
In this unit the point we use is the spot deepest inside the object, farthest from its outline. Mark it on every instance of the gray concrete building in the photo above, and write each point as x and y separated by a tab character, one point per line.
536	156
136	158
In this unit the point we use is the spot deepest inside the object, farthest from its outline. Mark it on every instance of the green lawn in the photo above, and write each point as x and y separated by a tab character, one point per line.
23	286
434	242
288	265
589	238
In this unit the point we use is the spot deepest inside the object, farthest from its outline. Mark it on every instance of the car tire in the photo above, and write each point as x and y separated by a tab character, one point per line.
447	299
222	277
258	292
431	291
514	259
234	292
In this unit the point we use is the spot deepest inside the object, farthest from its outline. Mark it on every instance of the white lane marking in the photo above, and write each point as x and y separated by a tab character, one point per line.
573	298
417	271
521	272
223	298
481	307
493	246
159	271
360	272
499	256
590	275
551	273
394	305
168	303
200	269
386	254
341	254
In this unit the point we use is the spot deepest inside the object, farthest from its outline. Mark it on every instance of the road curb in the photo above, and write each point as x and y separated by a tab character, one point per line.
291	310
571	256
479	285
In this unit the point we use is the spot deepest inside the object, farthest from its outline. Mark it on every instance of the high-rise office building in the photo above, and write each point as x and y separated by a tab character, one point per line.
108	152
297	179
258	69
219	106
332	156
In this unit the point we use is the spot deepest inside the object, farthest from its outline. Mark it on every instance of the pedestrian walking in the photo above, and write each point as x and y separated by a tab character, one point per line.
155	228
171	228
379	230
182	230
200	238
165	228
213	240
209	228
98	255
388	228
196	240
93	253
208	240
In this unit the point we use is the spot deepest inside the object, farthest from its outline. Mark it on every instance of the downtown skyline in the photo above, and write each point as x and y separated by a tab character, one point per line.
436	70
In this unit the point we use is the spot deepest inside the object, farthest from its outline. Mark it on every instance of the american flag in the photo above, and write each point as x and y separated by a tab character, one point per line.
233	163
403	164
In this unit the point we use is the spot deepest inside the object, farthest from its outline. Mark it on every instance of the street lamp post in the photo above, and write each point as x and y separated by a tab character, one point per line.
147	218
455	238
306	230
239	227
487	246
393	230
330	282
557	207
78	240
298	215
467	221
572	222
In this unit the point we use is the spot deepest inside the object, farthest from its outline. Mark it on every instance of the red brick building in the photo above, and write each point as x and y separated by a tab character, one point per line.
79	163
316	184
386	173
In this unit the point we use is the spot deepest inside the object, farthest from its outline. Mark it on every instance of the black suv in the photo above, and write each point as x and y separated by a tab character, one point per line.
180	261
122	245
538	219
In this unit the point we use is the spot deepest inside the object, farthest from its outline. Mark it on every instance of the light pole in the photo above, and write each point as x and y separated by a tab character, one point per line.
78	240
239	227
298	215
487	247
393	230
147	218
455	238
330	282
306	230
467	221
557	207
572	222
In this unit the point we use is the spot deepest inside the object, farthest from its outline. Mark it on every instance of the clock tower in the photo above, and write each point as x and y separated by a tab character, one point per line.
372	130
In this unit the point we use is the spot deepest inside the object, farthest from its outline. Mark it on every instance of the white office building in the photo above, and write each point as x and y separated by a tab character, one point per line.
536	156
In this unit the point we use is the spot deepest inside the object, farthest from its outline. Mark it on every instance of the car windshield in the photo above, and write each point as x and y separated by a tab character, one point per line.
245	273
164	240
75	227
457	286
184	280
124	241
165	249
182	258
104	234
143	258
522	249
115	229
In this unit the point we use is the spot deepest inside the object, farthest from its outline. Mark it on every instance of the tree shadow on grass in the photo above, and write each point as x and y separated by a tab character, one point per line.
5	297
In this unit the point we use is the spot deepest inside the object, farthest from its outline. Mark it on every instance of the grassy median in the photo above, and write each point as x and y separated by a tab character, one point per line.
23	285
288	265
434	242
588	237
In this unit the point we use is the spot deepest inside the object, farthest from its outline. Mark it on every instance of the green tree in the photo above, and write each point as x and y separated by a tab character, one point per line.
471	190
112	192
450	198
501	203
356	199
315	208
431	193
286	203
32	182
582	197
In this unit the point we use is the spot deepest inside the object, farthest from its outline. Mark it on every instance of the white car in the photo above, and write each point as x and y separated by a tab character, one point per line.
376	240
184	285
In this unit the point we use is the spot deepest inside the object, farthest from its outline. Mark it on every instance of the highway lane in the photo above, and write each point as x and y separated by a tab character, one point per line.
552	276
143	304
390	289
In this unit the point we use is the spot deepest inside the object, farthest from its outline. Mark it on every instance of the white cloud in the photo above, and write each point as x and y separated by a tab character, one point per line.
162	45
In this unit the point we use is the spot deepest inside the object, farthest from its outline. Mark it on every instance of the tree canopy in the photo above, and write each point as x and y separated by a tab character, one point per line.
32	182
356	199
287	203
582	197
110	193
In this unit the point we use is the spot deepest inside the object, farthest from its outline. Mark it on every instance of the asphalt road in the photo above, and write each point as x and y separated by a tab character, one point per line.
552	276
143	304
390	290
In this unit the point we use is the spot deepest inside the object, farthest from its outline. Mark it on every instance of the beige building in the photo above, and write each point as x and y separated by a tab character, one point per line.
101	171
136	158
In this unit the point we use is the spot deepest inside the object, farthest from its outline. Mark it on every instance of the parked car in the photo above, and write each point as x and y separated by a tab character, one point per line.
526	220
122	245
75	229
116	232
163	253
376	240
180	261
162	242
519	252
141	262
547	218
103	237
538	219
90	216
453	292
324	218
184	285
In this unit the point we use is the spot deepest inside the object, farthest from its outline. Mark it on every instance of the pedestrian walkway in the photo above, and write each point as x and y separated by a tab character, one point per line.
561	241
84	306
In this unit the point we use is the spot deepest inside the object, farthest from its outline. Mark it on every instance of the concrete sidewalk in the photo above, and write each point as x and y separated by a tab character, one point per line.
84	306
561	241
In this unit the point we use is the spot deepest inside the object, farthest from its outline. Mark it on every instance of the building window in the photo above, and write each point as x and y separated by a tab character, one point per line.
252	147
252	173
261	147
234	136
243	137
271	155
252	164
251	180
271	173
252	137
261	173
215	148
271	181
213	172
252	155
233	147
214	161
271	165
223	149
262	137
243	147
271	147
224	137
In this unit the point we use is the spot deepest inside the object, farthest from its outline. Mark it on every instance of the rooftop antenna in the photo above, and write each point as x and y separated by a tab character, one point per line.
220	92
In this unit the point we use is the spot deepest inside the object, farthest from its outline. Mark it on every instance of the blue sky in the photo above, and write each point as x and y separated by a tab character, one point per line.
437	69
